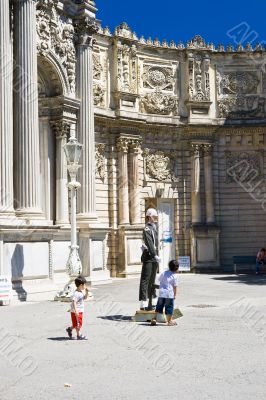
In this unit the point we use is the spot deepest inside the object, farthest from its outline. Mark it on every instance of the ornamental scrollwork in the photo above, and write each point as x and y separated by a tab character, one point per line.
159	103
241	107
100	162
159	166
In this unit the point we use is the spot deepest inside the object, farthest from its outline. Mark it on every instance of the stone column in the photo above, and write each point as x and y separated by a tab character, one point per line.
26	130
123	206
208	177
135	213
61	129
6	120
85	27
195	184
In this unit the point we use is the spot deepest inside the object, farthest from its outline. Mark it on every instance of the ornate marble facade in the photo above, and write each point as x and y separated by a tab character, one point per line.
179	126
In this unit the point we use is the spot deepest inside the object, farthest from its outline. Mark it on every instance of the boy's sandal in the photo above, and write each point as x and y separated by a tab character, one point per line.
69	332
153	322
172	323
82	337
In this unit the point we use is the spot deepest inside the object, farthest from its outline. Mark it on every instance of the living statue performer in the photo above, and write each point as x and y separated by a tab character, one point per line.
150	260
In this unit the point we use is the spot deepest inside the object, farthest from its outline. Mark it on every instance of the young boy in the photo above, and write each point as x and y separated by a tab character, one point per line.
167	293
77	308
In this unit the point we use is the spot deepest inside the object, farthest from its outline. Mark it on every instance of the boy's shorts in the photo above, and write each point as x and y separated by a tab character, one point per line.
167	303
77	321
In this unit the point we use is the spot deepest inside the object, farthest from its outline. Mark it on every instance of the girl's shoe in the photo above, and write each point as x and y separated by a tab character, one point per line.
82	337
69	332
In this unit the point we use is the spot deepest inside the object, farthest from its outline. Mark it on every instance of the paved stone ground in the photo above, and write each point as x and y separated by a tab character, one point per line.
217	351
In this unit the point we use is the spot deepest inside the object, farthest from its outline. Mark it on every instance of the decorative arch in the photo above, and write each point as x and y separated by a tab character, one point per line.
52	79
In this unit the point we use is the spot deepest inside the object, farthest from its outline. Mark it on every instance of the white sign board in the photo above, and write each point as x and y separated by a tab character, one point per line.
5	289
184	263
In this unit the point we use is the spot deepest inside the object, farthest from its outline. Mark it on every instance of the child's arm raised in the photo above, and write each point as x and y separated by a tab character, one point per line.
86	293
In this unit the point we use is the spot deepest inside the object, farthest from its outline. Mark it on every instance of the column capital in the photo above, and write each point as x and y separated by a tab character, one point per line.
207	148
122	144
195	149
134	145
85	27
61	128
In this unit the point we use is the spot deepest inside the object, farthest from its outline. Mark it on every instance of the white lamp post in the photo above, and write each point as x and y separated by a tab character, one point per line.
72	151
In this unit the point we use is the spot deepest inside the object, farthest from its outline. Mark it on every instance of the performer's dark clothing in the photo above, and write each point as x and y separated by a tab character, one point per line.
149	263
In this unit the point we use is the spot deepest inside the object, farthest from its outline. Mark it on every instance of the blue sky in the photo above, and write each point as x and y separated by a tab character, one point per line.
224	21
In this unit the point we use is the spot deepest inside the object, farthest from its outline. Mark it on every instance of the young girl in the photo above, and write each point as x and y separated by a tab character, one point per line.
167	293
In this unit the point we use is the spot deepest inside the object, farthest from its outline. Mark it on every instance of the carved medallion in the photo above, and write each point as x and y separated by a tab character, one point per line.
158	77
159	166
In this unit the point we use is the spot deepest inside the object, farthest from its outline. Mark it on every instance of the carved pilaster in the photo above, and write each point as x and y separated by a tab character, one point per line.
123	206
208	178
195	183
6	127
61	130
85	27
135	212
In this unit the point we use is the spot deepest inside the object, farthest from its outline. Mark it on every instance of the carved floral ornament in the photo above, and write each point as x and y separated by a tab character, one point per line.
159	103
100	162
97	66
56	35
159	166
98	95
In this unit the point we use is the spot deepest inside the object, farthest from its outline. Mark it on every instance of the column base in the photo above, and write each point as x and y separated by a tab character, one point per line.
63	224
30	214
88	219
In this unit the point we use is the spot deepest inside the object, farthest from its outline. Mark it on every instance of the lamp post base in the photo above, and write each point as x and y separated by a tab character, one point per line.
74	268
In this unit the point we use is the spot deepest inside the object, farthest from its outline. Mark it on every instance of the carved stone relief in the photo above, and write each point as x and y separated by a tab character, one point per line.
242	167
159	103
100	162
126	67
97	67
158	77
98	95
159	166
238	95
56	35
239	82
199	79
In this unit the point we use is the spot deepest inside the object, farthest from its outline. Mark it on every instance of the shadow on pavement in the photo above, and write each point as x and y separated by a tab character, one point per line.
59	338
117	318
246	279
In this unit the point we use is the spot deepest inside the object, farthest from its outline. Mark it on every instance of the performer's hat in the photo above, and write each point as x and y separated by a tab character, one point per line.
151	212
